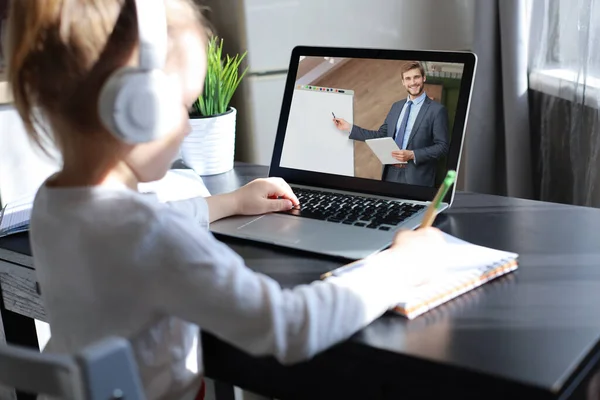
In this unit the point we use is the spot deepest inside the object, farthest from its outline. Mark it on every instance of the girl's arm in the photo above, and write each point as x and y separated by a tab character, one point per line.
258	197
191	275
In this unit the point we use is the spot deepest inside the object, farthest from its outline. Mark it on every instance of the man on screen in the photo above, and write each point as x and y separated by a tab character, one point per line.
419	126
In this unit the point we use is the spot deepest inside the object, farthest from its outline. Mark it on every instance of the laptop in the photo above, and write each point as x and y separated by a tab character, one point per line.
342	109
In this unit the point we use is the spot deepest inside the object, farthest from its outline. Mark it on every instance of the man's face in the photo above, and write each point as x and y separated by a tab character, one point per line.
413	82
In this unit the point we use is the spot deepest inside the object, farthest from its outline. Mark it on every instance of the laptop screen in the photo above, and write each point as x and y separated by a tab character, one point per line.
394	121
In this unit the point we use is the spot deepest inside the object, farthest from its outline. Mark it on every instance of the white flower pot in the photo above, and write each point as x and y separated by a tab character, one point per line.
210	147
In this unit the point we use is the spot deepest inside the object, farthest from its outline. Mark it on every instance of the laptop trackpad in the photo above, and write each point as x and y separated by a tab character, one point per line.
273	228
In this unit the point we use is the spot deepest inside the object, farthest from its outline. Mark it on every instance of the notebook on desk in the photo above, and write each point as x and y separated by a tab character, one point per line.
14	217
177	184
335	99
455	268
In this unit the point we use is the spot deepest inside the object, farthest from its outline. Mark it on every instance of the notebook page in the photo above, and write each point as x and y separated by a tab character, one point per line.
452	256
461	255
444	282
404	269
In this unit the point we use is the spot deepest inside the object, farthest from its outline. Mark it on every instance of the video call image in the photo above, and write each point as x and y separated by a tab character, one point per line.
340	104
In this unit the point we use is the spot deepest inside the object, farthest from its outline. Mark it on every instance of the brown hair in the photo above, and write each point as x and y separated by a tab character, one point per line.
60	52
410	65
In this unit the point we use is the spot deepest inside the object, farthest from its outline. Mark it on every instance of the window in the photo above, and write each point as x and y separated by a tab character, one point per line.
565	49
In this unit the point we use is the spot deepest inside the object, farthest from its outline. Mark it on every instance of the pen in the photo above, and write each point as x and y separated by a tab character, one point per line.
333	114
430	213
343	269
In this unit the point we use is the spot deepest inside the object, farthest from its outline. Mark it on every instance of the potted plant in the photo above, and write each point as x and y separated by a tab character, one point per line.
209	149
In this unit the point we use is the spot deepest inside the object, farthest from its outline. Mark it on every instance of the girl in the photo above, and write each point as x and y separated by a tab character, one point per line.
111	261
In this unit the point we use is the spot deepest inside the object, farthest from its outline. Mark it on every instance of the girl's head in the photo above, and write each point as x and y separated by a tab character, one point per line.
61	52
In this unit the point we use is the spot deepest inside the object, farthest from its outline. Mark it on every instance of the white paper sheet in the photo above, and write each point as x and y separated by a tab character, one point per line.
382	148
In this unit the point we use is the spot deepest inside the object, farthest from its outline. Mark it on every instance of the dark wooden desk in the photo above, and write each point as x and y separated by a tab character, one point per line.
534	333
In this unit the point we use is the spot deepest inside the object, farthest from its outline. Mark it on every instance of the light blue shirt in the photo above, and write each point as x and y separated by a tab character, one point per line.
414	111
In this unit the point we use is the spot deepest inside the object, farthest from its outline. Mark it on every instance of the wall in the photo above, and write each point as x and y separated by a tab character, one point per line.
269	29
450	100
450	94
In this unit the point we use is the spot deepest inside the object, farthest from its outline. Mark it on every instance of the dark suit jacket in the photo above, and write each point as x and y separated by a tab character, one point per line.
428	139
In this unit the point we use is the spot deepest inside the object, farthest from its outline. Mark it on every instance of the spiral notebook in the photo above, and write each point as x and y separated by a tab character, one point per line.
458	266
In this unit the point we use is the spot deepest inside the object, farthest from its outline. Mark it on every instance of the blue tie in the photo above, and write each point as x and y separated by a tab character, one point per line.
402	129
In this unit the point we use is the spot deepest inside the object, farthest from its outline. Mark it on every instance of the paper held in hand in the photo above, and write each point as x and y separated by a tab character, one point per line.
382	148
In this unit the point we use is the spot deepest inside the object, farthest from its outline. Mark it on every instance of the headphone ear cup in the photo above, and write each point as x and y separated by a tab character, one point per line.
140	106
107	99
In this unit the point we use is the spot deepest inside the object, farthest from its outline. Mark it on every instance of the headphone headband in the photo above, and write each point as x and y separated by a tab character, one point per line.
152	32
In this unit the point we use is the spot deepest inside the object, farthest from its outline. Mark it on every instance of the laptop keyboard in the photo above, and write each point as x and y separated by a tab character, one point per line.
352	210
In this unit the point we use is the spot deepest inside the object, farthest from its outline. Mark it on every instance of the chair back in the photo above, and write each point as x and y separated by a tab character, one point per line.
102	371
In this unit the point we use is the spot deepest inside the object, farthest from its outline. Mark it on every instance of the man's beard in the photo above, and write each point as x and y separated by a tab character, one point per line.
418	88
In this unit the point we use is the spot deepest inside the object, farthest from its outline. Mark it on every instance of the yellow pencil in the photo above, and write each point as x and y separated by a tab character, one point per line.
430	213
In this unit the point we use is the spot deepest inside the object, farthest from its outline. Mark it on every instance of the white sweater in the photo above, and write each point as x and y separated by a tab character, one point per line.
112	261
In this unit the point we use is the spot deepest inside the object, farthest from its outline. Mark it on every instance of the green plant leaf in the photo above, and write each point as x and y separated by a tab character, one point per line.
222	80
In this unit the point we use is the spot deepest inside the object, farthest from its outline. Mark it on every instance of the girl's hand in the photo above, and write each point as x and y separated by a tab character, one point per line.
423	239
264	195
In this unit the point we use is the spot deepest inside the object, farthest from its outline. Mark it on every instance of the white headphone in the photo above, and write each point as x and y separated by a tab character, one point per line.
141	104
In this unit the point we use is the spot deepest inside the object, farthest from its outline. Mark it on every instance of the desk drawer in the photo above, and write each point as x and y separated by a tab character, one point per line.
19	291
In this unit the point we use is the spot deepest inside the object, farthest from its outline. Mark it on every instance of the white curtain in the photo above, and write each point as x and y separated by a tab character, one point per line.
564	80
